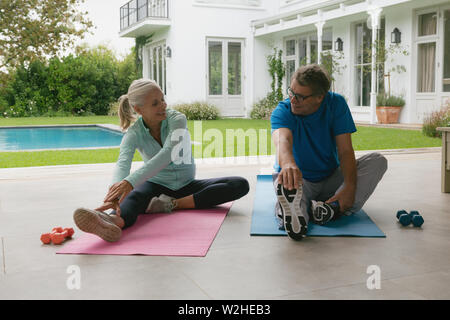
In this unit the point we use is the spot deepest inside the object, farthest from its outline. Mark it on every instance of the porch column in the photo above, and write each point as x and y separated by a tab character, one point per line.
374	17
319	26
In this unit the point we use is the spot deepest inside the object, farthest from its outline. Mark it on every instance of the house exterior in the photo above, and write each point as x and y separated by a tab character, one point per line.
216	50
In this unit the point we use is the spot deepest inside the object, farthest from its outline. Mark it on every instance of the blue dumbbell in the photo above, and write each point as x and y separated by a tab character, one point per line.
416	218
403	217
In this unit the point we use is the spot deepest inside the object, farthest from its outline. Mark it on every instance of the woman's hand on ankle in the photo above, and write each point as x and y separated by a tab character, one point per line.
118	191
110	205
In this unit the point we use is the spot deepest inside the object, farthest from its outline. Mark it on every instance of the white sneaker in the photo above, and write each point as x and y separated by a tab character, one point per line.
163	203
98	223
295	223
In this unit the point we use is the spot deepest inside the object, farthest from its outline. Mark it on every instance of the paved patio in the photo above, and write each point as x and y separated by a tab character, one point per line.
414	263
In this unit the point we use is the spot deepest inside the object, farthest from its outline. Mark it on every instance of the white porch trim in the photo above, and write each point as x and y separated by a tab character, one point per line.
375	19
332	9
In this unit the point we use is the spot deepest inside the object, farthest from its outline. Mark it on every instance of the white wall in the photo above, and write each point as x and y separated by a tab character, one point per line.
191	25
261	77
401	83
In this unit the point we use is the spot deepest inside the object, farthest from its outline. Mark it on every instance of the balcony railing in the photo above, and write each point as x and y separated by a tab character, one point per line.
137	10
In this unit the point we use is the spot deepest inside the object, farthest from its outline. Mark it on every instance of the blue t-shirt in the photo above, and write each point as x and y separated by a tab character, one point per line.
314	142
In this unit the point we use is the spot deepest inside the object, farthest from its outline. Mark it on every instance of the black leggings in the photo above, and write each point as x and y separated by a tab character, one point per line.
207	193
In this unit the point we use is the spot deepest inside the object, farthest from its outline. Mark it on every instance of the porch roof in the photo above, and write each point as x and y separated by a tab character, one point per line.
318	12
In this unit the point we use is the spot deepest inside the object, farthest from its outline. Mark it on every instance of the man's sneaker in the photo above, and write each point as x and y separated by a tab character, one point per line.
323	212
98	223
295	223
163	203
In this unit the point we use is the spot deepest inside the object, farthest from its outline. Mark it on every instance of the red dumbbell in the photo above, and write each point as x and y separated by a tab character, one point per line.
57	236
45	238
70	232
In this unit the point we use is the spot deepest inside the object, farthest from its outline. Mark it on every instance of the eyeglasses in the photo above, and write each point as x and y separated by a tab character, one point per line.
297	96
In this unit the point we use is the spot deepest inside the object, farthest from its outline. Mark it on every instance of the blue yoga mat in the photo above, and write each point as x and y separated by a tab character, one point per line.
264	222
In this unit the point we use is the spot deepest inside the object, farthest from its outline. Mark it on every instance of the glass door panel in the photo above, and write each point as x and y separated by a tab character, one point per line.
290	47
290	69
446	75
234	68
215	67
157	65
426	67
327	40
303	51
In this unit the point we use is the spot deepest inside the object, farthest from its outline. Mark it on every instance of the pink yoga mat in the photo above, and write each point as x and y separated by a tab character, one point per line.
181	233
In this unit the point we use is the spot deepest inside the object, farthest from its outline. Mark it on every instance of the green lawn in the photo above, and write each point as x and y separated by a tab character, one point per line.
256	142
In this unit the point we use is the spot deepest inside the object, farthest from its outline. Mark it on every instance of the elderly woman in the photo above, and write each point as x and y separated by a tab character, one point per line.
166	181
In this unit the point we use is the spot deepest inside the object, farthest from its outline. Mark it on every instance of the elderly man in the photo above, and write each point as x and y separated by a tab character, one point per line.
317	176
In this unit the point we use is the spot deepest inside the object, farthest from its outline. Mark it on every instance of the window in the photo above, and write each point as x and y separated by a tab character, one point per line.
427	24
303	50
426	51
327	40
363	62
290	48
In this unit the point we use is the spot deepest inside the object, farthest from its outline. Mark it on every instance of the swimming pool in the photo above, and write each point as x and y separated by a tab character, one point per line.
57	137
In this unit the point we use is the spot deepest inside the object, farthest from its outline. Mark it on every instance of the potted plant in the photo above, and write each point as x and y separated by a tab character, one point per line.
389	108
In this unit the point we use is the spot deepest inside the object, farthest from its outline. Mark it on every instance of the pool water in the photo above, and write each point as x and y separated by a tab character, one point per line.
13	139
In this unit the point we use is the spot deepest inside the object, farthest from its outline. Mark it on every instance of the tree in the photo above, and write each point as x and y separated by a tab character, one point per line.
38	29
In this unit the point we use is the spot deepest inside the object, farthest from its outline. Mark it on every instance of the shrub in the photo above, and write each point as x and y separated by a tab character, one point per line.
390	101
3	106
264	107
85	83
198	110
114	109
24	94
4	103
82	84
436	119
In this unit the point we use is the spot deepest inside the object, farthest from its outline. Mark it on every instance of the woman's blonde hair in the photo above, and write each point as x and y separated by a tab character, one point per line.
137	92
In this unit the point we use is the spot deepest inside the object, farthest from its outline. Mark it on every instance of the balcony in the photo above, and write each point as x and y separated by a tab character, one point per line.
142	17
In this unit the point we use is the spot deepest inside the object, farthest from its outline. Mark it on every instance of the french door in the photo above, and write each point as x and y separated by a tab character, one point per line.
303	49
363	63
224	75
432	58
157	65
